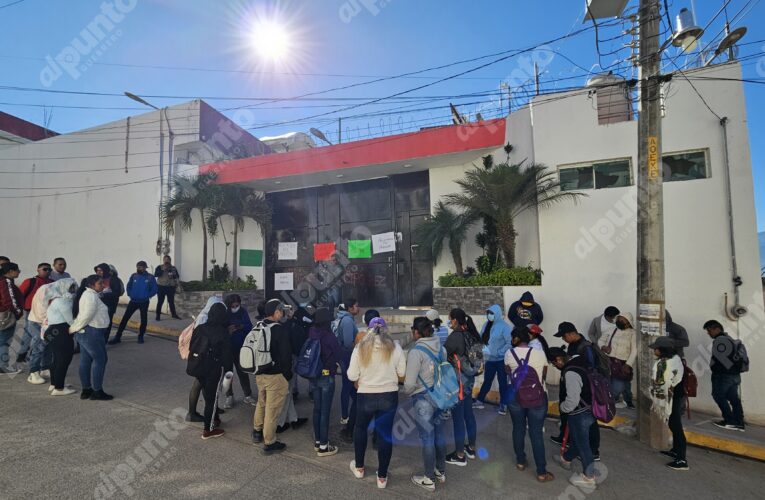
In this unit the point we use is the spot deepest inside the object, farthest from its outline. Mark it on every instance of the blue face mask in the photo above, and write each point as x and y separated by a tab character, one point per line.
490	316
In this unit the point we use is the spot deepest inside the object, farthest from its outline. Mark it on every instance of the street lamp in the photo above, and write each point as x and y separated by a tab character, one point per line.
139	99
319	135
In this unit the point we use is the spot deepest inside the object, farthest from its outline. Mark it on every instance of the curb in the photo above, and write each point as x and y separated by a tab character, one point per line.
159	330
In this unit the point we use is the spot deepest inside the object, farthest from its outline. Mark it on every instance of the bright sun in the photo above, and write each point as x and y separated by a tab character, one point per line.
271	40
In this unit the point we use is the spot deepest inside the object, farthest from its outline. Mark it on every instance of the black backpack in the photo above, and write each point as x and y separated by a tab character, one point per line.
201	360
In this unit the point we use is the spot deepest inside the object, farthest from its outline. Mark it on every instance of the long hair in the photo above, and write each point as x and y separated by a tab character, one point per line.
84	284
466	323
367	345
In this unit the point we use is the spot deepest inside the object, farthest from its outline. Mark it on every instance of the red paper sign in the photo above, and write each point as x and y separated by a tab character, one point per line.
323	251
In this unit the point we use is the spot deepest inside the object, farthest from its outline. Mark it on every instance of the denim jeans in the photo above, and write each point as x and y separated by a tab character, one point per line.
27	335
382	408
323	392
6	336
534	418
92	357
492	369
725	393
579	439
430	424
40	353
594	433
619	387
463	418
345	391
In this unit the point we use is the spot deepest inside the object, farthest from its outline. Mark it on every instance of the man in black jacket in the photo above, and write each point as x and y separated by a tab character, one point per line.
273	381
726	377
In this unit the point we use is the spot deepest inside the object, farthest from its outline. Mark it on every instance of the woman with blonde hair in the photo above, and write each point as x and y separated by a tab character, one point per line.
377	364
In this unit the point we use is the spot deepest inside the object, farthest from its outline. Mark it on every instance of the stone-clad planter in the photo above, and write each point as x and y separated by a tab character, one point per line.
473	300
190	303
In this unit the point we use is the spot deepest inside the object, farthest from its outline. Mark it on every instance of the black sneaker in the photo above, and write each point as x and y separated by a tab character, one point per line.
327	452
596	457
454	459
282	428
469	452
21	358
298	423
631	406
257	437
86	393
194	417
557	440
678	465
722	424
274	447
100	396
740	428
114	341
669	453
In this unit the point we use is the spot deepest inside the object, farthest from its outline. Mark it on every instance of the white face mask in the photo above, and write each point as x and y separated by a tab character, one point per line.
235	309
490	316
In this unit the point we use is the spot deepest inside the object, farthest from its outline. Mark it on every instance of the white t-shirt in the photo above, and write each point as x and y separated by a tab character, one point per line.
537	360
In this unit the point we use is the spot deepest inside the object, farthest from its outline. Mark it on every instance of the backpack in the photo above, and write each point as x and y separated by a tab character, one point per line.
255	355
184	341
690	382
599	361
603	402
529	391
472	363
200	358
308	364
444	394
740	356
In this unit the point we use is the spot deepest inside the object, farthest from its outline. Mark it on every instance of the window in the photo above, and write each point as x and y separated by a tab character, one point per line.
601	175
685	166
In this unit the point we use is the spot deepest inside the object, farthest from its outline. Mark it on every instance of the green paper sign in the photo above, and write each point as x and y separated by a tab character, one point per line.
252	258
359	249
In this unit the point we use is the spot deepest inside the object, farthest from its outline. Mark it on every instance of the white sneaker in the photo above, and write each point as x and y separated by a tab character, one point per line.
621	405
45	373
357	473
250	401
382	482
229	403
10	370
63	392
343	421
583	481
424	482
51	387
35	378
440	476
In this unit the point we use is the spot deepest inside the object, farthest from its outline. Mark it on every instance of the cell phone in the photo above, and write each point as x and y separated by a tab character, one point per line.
325	372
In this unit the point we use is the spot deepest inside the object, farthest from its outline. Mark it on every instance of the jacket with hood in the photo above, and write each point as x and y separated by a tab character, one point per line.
92	312
29	288
420	366
330	349
346	331
59	300
678	334
623	342
574	393
521	315
167	278
38	311
141	287
500	336
281	350
113	286
10	297
240	318
595	332
218	338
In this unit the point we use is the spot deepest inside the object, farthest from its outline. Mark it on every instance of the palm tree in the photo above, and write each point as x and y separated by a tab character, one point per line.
506	191
239	203
190	194
444	224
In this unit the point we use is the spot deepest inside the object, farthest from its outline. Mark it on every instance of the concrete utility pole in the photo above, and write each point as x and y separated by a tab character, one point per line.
650	266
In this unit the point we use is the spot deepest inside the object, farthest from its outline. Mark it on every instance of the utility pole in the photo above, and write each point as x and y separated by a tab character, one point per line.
650	266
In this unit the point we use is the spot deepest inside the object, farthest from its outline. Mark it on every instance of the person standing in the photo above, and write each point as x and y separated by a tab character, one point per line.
439	328
463	333
273	381
677	333
239	325
113	290
28	290
538	340
605	324
324	384
167	281
525	311
40	358
667	395
377	364
726	365
60	298
496	336
214	334
621	348
196	388
91	319
59	269
420	374
348	431
11	310
346	336
521	357
141	287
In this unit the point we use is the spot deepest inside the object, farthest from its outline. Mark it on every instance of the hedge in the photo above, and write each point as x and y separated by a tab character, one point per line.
508	276
226	286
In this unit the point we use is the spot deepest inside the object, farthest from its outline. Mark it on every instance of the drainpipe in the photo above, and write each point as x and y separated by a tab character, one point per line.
737	310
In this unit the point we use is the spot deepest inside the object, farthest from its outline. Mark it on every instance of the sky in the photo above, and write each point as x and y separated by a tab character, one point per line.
177	51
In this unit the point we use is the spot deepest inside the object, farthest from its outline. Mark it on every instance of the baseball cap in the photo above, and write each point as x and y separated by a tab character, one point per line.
534	329
432	315
662	342
565	327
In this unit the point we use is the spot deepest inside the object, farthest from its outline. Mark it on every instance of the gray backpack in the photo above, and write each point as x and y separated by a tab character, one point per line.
255	356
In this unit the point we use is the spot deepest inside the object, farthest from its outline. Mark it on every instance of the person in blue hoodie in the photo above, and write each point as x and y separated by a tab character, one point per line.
496	336
239	325
141	287
525	311
346	332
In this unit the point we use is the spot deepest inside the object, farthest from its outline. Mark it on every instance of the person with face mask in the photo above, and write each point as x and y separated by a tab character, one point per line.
621	348
113	290
59	297
239	325
496	335
141	287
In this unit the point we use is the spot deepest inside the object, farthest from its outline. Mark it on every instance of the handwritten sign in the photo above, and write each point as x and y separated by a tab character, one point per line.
382	243
283	281
288	250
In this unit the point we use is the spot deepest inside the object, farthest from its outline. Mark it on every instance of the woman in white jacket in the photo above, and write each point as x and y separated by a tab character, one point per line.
621	347
58	317
92	319
667	395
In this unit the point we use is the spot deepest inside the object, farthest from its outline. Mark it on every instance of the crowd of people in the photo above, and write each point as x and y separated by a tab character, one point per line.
374	370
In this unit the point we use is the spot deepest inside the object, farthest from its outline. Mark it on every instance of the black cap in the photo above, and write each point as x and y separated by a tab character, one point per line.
713	323
662	342
322	315
271	306
556	352
565	327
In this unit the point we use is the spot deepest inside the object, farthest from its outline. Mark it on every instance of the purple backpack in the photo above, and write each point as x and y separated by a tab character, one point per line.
529	391
603	403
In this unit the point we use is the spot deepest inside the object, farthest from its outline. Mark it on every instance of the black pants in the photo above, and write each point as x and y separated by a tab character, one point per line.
111	309
244	380
132	307
62	347
210	386
169	292
196	390
676	422
594	434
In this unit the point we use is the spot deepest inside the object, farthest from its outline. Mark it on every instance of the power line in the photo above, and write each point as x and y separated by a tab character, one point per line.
11	4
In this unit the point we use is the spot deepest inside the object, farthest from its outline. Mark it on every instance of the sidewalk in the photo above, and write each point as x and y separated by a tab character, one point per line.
167	326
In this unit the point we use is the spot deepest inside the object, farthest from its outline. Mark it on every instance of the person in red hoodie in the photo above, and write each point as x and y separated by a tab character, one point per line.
28	290
11	310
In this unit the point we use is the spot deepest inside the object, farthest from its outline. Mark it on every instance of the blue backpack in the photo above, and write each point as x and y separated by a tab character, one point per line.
308	363
444	394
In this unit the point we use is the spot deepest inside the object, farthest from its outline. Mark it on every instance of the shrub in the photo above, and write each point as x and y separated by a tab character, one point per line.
506	276
220	274
231	285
